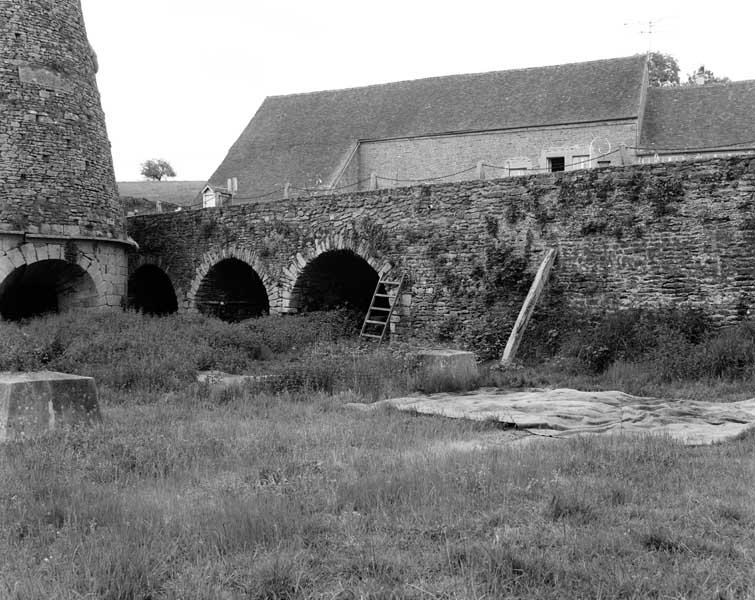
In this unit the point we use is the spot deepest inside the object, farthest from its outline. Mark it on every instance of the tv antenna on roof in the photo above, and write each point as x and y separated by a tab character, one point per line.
649	27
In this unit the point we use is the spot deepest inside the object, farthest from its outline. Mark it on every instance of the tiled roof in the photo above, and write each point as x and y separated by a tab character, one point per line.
304	137
181	193
701	116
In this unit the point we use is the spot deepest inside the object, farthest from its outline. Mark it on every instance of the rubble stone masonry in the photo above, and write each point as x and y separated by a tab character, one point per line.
646	235
56	175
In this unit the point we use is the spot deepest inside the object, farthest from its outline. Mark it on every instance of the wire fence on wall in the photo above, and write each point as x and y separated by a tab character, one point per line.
284	191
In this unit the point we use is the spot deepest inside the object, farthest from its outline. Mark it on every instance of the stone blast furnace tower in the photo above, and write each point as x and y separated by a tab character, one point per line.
63	238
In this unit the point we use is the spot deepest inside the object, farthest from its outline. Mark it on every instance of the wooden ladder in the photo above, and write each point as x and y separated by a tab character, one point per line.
378	318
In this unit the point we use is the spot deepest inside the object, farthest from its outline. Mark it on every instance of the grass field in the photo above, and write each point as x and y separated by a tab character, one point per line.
278	494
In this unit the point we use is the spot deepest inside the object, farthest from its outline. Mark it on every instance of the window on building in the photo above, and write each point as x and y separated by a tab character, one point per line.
604	163
209	199
556	163
581	161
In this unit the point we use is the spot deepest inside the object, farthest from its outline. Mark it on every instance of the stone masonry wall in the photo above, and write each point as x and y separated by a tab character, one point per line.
645	235
56	172
421	158
105	263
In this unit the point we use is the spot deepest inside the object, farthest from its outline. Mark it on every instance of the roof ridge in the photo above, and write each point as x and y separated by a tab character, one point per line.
436	77
718	84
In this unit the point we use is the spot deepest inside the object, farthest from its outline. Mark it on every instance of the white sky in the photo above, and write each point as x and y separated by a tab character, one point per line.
180	79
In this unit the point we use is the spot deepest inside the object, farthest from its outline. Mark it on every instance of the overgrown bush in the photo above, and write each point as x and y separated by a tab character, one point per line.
373	376
634	335
727	354
668	344
485	334
298	331
131	351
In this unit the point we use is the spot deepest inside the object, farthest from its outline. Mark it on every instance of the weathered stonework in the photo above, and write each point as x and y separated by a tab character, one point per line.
32	404
56	174
104	264
645	235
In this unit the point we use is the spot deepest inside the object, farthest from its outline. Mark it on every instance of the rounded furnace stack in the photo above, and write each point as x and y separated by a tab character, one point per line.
62	230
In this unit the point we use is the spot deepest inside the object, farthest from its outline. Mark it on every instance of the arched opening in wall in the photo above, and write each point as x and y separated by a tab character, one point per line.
150	291
336	279
232	291
47	286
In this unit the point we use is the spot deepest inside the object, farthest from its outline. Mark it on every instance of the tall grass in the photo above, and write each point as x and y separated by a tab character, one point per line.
276	490
669	343
269	497
666	352
130	351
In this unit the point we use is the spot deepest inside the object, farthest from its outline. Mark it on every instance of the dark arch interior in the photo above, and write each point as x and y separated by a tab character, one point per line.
47	286
334	279
150	291
232	291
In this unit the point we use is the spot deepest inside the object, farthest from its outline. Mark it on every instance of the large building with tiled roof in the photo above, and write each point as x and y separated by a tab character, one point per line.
700	121
458	127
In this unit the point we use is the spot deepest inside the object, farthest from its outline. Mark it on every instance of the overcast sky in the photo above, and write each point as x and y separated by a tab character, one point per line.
180	79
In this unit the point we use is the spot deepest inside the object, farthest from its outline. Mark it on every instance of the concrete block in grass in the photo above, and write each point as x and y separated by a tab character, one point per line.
34	403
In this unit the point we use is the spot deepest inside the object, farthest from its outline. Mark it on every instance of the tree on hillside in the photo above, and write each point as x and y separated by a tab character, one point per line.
705	76
157	168
663	70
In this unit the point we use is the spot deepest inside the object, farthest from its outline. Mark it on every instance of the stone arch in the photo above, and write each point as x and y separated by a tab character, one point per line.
231	284
150	290
137	261
330	253
48	277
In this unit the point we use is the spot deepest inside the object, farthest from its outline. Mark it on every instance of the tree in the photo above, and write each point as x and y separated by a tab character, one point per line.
663	70
157	168
704	76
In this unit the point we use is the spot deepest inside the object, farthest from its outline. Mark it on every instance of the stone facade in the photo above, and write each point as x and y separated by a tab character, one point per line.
528	148
56	175
98	270
644	235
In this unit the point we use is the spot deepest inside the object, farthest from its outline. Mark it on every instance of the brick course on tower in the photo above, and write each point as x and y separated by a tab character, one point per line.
58	198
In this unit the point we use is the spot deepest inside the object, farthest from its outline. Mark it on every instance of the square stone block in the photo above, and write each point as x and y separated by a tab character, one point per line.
34	403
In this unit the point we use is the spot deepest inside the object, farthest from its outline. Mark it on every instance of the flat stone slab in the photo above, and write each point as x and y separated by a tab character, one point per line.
564	412
34	403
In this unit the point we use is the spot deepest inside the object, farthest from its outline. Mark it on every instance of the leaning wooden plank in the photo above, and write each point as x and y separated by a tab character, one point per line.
529	305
